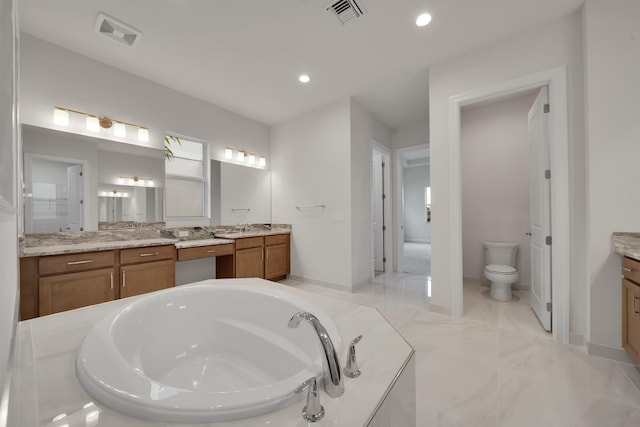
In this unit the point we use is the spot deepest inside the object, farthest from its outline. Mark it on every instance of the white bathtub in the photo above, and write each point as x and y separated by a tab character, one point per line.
202	353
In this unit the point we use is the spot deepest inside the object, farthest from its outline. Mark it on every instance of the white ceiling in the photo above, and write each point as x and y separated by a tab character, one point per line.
245	55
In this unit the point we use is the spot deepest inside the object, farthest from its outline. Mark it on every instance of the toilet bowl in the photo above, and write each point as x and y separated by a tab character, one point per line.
500	268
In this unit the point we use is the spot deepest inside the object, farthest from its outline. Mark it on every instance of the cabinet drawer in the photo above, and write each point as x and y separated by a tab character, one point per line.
146	254
205	251
75	262
276	239
249	242
631	269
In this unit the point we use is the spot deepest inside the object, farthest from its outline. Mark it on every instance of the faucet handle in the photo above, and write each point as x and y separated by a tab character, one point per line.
351	370
313	410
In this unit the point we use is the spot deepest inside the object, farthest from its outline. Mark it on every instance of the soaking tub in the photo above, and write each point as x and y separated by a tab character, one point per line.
202	353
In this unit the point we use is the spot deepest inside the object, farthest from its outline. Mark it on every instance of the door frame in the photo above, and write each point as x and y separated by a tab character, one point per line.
556	79
386	207
399	202
27	158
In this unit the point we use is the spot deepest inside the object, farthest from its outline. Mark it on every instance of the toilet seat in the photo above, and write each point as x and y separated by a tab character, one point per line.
500	269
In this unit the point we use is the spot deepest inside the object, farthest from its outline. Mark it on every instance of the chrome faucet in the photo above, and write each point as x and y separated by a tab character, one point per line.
333	383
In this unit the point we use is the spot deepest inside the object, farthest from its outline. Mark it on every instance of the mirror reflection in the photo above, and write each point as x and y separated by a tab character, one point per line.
72	182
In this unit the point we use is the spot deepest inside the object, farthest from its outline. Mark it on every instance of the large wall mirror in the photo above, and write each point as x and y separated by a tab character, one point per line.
73	182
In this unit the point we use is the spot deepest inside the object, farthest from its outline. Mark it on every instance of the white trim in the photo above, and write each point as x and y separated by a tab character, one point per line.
398	186
387	205
556	79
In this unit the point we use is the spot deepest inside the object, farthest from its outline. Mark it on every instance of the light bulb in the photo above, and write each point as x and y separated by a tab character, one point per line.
423	19
93	124
119	129
304	78
143	135
252	159
263	161
240	156
228	153
60	117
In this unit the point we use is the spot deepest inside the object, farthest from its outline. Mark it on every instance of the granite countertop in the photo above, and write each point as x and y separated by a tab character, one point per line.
107	238
46	383
627	244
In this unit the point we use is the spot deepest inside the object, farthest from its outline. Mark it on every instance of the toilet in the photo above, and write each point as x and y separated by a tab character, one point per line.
500	268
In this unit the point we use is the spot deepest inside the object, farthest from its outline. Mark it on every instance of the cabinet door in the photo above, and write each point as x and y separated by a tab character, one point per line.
631	319
74	290
275	261
147	277
250	262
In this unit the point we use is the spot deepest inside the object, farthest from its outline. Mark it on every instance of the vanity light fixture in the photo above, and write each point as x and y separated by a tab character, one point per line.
95	123
135	181
114	193
244	157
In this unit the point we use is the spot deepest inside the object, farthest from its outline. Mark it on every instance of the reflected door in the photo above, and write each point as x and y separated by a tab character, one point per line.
74	188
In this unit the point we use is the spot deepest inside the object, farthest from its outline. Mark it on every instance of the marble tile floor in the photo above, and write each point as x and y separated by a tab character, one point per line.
496	366
417	258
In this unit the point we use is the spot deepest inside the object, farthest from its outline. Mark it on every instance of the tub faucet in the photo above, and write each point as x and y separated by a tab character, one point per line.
333	383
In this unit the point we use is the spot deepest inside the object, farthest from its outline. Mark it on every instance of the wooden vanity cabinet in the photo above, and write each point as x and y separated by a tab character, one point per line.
250	257
631	307
277	255
75	280
54	283
149	269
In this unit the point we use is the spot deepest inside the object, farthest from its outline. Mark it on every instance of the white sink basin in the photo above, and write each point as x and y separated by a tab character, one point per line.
202	353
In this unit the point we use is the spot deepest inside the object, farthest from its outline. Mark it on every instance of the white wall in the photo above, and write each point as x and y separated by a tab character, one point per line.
416	228
494	159
410	135
365	129
8	220
67	145
555	44
311	165
612	46
243	187
55	76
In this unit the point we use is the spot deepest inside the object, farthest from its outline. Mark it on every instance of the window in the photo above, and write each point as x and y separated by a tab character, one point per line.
186	178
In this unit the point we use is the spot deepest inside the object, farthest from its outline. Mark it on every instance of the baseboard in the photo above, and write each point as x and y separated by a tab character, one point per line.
613	353
515	286
576	339
417	241
321	283
440	309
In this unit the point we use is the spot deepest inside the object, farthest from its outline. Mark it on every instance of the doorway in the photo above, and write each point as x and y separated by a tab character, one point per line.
555	79
416	201
53	194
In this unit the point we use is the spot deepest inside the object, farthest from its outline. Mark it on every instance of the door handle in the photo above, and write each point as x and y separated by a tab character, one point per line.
124	279
635	310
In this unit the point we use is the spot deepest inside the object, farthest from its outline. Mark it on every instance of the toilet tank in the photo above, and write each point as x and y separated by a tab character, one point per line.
502	253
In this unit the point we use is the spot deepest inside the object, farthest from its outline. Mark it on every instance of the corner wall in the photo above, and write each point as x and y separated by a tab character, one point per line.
612	44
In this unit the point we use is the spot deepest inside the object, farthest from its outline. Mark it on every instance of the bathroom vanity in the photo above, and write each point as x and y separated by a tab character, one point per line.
628	245
72	270
46	390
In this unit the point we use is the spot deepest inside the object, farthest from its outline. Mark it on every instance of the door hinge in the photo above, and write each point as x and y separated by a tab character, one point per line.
546	108
81	202
548	240
549	307
384	197
547	174
384	228
384	259
80	173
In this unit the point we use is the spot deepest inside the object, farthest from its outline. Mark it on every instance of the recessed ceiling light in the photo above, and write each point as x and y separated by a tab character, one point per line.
423	19
304	78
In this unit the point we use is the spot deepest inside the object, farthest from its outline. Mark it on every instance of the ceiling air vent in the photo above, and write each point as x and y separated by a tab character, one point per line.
345	10
117	30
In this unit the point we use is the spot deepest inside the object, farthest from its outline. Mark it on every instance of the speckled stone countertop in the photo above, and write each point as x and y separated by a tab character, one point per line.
627	244
130	235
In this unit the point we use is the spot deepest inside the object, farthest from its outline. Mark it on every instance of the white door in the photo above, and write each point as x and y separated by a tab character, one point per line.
539	209
378	213
74	189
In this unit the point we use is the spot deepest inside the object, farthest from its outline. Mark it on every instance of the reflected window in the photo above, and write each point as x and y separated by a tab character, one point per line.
186	178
